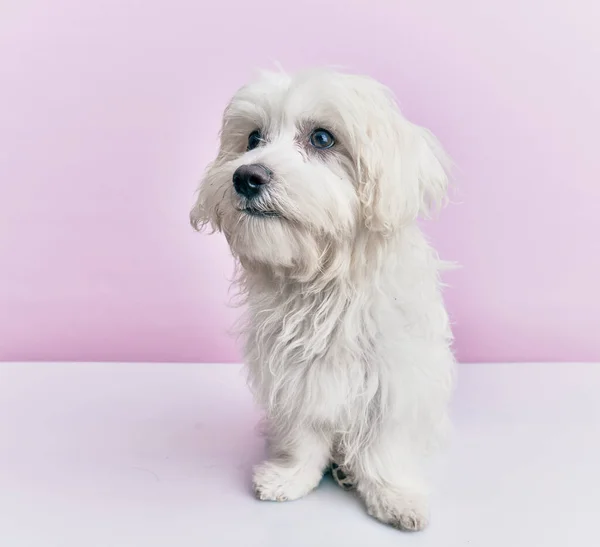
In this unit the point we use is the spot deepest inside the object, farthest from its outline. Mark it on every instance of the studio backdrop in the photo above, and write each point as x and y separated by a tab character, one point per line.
110	110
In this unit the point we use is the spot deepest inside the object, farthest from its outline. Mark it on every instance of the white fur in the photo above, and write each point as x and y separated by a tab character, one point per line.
347	338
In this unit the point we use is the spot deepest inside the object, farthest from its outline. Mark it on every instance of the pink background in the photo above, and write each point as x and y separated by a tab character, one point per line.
109	111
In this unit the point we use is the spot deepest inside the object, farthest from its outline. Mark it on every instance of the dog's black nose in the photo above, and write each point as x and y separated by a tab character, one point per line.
248	179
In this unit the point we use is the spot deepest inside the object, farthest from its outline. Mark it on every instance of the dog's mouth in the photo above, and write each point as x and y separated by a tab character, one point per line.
254	212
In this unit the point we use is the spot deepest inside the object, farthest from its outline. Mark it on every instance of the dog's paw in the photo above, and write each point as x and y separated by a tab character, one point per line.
274	482
342	476
405	512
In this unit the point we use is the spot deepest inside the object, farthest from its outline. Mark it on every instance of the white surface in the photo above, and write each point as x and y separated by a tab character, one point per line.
128	455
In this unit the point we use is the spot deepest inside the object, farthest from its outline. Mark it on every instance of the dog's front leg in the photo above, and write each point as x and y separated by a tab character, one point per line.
297	460
390	481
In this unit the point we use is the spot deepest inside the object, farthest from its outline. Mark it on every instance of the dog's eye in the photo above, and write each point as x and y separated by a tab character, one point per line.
321	138
254	139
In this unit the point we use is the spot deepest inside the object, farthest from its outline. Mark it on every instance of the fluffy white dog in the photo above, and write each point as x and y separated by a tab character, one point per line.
317	187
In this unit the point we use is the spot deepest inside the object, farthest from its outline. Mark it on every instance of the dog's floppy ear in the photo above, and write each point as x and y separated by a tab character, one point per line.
402	169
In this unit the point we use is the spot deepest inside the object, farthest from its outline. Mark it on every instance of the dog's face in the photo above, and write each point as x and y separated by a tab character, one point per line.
307	163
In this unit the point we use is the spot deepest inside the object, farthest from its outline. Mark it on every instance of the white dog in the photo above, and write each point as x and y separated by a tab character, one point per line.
317	187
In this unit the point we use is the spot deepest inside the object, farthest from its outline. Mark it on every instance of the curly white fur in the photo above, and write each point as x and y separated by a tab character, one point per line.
347	338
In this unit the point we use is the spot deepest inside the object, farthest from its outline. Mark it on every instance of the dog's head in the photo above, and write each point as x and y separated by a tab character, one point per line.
309	163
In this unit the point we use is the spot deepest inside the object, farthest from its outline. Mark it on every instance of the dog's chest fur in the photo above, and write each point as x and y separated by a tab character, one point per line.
312	355
338	357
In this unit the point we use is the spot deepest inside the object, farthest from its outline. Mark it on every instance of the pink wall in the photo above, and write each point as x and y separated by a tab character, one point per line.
109	111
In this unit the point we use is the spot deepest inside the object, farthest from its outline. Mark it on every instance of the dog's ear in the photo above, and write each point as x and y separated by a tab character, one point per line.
198	215
205	211
402	169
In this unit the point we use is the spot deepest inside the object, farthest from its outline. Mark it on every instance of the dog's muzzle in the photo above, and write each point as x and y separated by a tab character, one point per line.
248	180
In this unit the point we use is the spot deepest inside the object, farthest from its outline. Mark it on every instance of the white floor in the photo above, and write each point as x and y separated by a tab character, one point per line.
128	455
